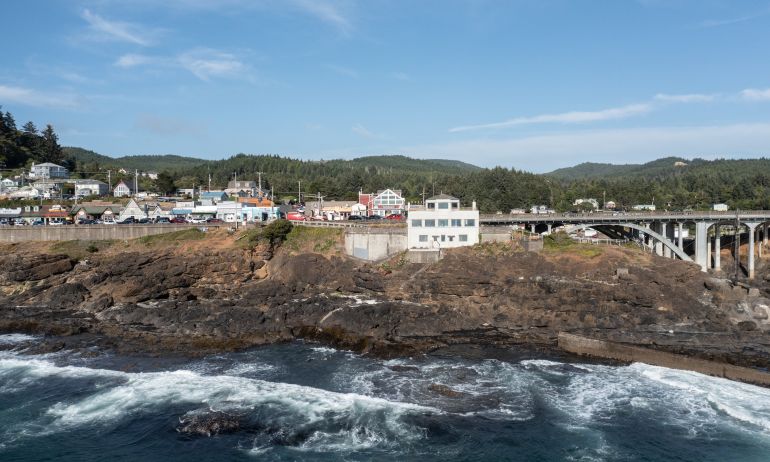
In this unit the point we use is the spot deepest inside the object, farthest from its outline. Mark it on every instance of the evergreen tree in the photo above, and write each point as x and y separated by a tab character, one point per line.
50	151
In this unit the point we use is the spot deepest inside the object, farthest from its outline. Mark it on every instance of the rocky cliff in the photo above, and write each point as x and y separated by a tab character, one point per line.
217	294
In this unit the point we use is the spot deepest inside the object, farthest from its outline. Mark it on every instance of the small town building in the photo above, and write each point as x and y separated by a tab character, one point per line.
644	207
385	202
8	185
441	223
122	189
91	188
96	210
26	192
229	211
541	209
214	197
592	202
610	205
132	210
721	207
48	170
518	211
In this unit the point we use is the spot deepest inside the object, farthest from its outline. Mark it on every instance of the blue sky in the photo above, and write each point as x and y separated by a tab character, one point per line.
530	84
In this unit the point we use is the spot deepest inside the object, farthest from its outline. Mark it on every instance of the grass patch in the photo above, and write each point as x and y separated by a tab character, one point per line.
79	250
318	239
192	234
562	243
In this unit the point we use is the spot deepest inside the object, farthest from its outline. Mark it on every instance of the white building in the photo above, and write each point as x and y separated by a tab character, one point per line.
229	211
721	207
442	224
541	209
133	210
8	185
642	207
385	202
48	170
91	188
594	203
26	192
122	190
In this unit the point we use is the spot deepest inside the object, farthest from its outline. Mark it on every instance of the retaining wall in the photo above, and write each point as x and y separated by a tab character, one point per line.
373	245
12	234
604	349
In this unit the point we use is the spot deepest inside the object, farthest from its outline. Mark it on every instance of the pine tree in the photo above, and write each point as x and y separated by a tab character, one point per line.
50	151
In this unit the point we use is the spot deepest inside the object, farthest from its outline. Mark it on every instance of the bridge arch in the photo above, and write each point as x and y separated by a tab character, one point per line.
657	236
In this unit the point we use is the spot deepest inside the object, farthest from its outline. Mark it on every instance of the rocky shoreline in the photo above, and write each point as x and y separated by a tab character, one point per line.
215	294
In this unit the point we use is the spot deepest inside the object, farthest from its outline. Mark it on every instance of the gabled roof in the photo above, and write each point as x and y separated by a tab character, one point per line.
47	164
442	197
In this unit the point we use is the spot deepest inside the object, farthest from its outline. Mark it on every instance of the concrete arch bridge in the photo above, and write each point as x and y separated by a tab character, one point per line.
664	232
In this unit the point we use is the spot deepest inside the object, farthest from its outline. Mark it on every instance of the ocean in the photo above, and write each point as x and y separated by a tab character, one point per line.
303	402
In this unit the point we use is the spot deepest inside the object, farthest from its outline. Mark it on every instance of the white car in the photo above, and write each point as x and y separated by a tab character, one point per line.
197	220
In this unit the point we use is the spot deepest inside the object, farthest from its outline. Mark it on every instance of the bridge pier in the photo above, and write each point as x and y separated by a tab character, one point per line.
664	232
532	227
717	248
708	252
681	236
701	244
550	226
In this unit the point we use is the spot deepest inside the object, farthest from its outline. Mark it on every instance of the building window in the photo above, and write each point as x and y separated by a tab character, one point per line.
470	222
457	222
435	238
451	238
463	238
443	223
455	205
431	205
443	238
416	223
430	223
443	205
423	238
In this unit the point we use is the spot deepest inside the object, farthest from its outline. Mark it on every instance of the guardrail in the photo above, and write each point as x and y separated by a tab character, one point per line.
626	216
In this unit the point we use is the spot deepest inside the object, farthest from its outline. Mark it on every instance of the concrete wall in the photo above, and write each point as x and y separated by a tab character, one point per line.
423	256
603	349
495	236
375	244
88	232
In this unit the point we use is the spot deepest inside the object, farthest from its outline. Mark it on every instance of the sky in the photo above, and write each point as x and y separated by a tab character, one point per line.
529	84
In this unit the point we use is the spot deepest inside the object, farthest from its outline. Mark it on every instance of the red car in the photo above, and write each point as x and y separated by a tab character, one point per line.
296	216
214	220
394	216
178	220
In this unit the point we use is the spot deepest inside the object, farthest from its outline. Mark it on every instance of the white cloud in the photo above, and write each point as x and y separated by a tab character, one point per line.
565	117
116	30
753	94
688	98
363	131
30	97
205	63
327	12
544	153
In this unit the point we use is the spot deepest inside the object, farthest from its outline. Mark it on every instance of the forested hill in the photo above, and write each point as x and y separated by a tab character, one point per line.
662	168
144	163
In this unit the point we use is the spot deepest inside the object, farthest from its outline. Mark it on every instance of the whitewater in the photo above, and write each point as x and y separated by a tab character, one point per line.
301	401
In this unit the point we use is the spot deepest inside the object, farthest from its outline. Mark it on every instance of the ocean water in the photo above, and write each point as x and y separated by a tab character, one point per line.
298	402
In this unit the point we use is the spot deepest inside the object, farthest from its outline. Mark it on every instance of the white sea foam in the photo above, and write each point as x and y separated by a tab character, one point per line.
13	339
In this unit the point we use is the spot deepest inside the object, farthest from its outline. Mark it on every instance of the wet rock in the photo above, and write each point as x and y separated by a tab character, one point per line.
444	390
209	424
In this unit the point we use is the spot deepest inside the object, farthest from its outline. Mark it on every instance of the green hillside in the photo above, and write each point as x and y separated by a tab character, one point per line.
656	168
143	163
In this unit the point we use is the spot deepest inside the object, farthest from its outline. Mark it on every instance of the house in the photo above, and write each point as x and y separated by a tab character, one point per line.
214	197
610	205
48	170
122	190
91	188
150	175
26	192
541	209
721	207
229	211
441	223
385	202
518	211
133	210
335	210
642	207
96	210
8	185
592	202
247	187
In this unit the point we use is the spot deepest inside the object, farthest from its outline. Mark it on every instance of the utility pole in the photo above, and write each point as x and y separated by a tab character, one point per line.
299	192
259	174
209	181
737	244
109	179
423	195
136	181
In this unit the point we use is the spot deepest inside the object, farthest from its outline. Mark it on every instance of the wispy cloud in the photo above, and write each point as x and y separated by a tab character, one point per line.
544	153
31	97
708	23
572	117
753	94
204	63
363	131
341	70
688	98
327	12
104	29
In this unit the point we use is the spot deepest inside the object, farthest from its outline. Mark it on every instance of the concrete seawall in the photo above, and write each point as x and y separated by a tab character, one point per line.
610	350
13	234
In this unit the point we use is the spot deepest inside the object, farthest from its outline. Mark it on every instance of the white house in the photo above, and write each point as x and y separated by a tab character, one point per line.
27	192
721	207
91	188
541	209
229	211
643	207
122	190
132	209
594	203
384	203
48	170
7	185
441	223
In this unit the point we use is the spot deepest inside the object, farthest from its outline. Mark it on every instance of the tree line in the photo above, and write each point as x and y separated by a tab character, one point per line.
20	147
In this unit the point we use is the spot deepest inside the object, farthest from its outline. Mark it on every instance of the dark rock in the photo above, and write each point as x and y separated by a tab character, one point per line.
209	424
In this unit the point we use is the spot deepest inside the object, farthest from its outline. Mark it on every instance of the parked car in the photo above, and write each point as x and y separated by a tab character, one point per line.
178	220
38	222
143	221
162	220
127	221
395	216
356	218
197	220
214	220
374	217
86	221
296	216
19	222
